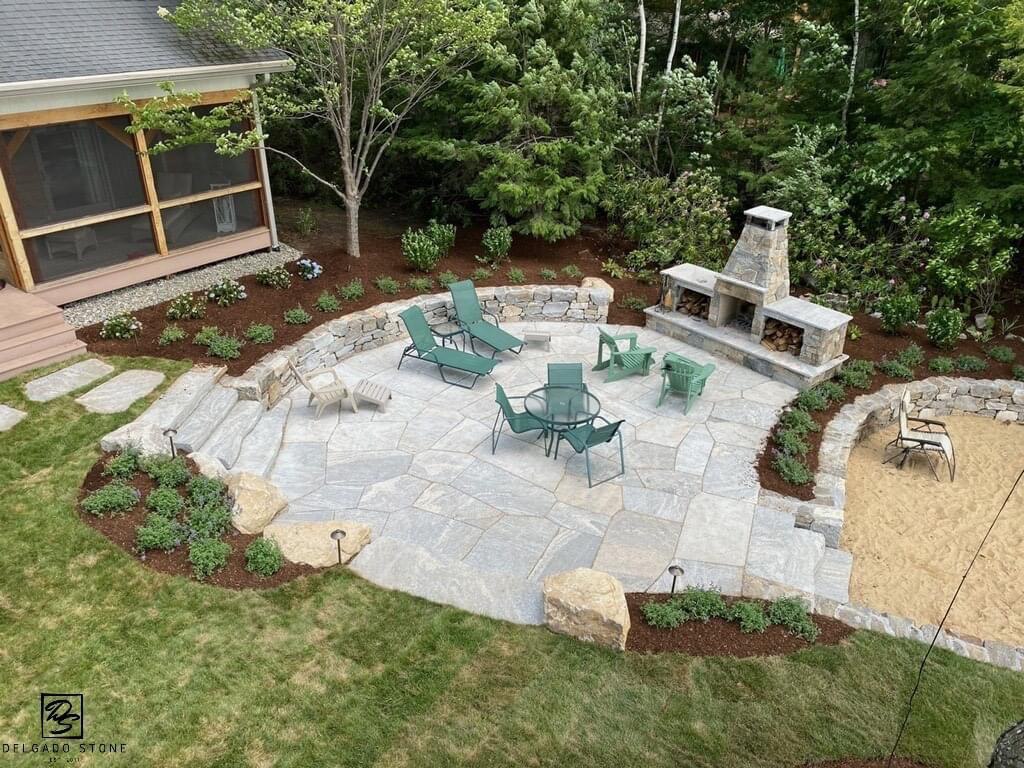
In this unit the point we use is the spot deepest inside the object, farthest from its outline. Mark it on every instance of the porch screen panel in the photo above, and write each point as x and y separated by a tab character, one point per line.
208	220
197	168
83	249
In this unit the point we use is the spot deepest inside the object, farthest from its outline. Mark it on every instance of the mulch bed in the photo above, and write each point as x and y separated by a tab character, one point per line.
859	762
121	531
719	637
874	345
381	255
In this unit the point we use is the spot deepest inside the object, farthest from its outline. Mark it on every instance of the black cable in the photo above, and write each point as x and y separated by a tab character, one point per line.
920	671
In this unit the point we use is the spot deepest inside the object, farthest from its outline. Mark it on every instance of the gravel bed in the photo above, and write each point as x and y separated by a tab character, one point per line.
98	308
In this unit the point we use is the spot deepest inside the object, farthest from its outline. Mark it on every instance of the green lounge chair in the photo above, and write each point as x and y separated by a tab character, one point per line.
582	439
472	318
684	377
517	422
425	347
623	362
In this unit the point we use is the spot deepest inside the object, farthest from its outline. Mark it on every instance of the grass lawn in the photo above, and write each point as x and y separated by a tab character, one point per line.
332	671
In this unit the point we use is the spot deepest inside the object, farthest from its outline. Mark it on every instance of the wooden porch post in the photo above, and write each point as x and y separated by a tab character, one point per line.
149	185
12	243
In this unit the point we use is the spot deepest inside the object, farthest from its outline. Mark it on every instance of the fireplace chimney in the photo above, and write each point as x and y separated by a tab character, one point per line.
761	255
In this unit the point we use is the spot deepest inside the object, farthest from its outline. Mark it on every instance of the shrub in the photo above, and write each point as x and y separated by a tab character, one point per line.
791	613
205	335
226	292
352	290
572	271
188	306
613	269
811	400
114	498
326	302
912	356
647	277
702	604
442	234
941	365
1002	354
516	276
970	364
750	616
447	277
497	242
387	285
897	310
799	421
210	520
831	390
792	469
305	222
634	302
171	335
308	269
159	532
945	324
1018	372
420	250
548	274
853	332
479	274
663	615
203	490
124	465
420	284
225	347
857	374
263	557
207	557
166	502
297	316
274	277
166	471
123	326
791	443
896	370
259	333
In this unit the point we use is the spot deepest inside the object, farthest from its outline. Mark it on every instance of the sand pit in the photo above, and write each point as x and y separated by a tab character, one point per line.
912	537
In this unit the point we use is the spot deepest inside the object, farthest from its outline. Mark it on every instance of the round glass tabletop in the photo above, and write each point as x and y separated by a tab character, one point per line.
562	407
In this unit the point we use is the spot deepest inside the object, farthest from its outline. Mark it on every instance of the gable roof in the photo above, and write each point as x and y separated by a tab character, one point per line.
47	44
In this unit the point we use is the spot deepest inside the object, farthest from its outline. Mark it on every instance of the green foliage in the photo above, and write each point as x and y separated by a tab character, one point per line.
515	276
548	274
898	310
297	316
114	498
853	332
263	557
308	269
187	306
811	400
702	604
792	470
941	365
857	373
259	333
613	269
171	334
205	335
791	614
799	421
970	364
210	520
305	222
166	502
420	250
634	302
1002	354
912	356
447	277
442	234
666	614
572	272
226	292
480	274
165	471
207	557
1018	372
387	285
749	615
225	347
352	290
124	326
945	324
832	391
274	277
896	369
124	465
420	284
203	490
327	302
159	532
496	242
791	442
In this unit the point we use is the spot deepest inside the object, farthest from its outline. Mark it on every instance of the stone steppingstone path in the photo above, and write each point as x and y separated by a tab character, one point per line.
60	383
9	417
120	392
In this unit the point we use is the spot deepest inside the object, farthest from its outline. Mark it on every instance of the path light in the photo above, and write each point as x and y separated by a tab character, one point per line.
676	571
169	433
338	534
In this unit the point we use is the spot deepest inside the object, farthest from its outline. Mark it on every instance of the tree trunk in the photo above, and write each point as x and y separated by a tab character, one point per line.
853	62
642	55
721	72
352	226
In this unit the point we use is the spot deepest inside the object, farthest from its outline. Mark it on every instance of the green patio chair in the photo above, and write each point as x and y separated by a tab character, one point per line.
425	347
582	439
622	362
517	422
472	318
566	375
684	377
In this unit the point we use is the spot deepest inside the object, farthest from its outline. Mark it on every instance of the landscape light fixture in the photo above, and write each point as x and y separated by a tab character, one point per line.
169	433
676	571
338	534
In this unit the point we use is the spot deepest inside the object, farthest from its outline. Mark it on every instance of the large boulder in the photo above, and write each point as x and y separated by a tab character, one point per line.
257	501
311	543
208	465
147	439
588	605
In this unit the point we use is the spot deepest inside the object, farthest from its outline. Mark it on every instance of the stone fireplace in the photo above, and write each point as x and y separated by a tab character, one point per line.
803	344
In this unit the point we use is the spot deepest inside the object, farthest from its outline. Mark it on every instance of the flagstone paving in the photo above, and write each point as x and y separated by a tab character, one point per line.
9	417
120	392
66	380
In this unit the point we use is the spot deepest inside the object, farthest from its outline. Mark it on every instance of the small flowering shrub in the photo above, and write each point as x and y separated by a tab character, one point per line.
166	502
225	347
259	333
447	277
297	316
970	364
123	326
912	356
1018	372
857	374
205	335
896	369
263	557
792	470
209	520
750	616
945	324
226	292
207	557
159	532
274	277
124	465
352	290
115	498
203	489
188	306
791	614
799	421
479	274
308	269
442	234
387	285
327	302
897	310
941	365
172	334
165	471
421	251
633	302
497	242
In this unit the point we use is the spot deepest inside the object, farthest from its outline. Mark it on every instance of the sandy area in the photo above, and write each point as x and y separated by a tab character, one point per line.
912	537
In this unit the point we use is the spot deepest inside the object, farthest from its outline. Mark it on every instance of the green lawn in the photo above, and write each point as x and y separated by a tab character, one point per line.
332	671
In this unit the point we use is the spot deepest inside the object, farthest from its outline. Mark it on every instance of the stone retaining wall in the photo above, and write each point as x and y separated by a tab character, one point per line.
270	377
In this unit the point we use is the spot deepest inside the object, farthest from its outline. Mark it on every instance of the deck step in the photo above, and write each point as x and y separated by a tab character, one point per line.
32	333
45	338
226	441
41	357
208	413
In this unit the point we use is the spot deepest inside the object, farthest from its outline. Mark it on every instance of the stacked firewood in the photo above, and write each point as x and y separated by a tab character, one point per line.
782	337
696	304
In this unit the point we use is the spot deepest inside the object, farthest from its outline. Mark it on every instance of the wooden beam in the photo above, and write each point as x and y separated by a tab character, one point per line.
211	194
15	248
85	221
149	186
117	132
15	143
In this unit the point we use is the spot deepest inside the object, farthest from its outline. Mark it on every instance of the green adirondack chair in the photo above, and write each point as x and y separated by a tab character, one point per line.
472	318
425	347
622	362
684	377
517	422
583	438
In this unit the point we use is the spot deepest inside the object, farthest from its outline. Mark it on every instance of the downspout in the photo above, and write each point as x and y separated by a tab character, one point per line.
268	198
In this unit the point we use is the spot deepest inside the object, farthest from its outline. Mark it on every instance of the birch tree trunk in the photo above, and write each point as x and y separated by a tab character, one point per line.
853	62
642	54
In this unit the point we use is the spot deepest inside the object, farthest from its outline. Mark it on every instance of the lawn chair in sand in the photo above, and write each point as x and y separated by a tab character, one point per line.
930	439
337	391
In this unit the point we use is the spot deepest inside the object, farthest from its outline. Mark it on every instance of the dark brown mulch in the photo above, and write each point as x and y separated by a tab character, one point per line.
719	637
859	762
121	531
380	241
874	345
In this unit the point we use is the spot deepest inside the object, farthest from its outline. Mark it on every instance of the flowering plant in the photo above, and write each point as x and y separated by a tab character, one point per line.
226	292
308	269
123	326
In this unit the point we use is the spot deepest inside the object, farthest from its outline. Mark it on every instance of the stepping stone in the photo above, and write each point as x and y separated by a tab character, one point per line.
195	430
9	417
260	447
181	398
59	383
120	392
226	440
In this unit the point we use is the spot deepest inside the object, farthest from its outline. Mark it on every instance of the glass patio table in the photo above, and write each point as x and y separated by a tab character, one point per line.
560	408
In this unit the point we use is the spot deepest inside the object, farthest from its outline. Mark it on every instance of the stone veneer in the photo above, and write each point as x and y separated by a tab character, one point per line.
270	377
934	397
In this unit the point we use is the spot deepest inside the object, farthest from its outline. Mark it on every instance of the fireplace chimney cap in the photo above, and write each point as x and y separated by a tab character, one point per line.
767	217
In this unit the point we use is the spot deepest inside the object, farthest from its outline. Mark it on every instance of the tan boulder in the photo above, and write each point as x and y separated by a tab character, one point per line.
208	465
256	501
588	605
311	543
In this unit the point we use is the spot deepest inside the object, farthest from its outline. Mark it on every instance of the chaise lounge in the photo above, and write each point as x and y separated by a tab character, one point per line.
472	318
425	347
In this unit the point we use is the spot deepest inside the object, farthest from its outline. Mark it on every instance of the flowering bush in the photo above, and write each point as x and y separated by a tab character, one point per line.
188	306
274	277
945	324
897	310
123	326
497	242
308	269
227	292
420	249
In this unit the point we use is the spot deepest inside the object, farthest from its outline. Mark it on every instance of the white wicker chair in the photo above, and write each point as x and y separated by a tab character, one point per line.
930	438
